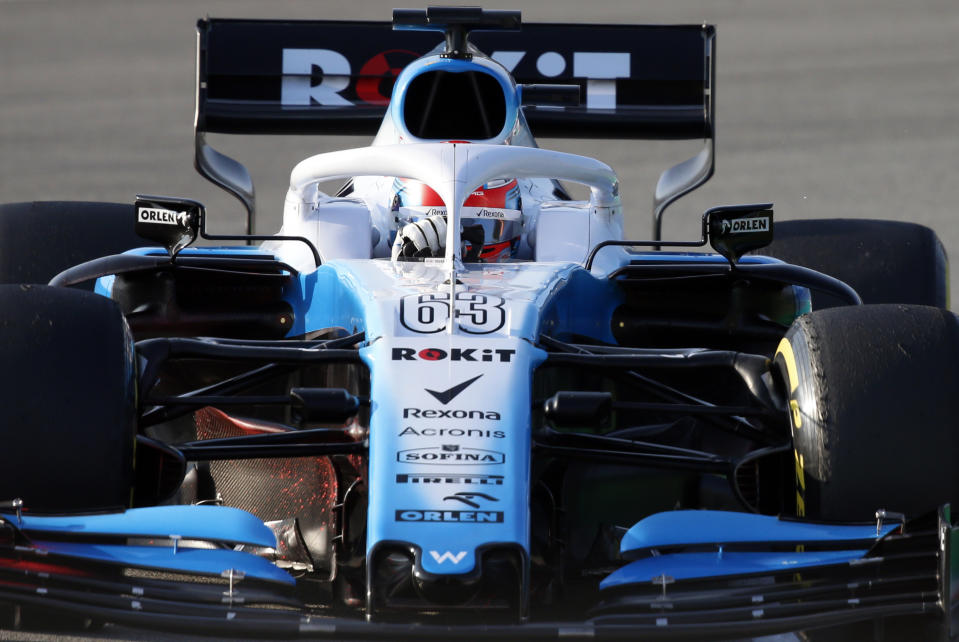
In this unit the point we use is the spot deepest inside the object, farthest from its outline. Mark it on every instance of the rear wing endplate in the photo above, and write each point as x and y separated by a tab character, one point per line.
336	77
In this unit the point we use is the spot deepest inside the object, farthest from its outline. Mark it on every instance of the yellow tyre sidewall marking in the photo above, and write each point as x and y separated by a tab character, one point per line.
785	350
789	358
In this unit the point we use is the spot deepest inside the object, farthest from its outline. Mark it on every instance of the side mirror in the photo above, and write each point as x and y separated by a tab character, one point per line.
172	222
736	229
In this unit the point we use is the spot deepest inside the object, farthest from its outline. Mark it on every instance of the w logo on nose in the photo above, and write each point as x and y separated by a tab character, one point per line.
455	558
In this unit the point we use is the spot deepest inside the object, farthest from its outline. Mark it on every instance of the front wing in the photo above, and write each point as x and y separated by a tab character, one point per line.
692	574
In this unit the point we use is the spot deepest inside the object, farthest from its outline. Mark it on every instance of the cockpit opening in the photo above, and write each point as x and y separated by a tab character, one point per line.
441	105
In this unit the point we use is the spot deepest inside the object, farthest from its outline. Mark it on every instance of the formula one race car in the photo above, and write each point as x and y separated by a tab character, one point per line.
448	399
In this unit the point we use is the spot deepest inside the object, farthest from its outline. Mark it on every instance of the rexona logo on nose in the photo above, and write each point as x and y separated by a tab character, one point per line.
499	355
740	225
449	455
448	413
164	217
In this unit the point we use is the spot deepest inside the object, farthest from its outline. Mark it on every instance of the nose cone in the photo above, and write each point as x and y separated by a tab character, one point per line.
498	585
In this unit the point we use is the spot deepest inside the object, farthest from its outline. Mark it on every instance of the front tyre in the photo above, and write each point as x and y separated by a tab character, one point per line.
40	239
884	261
68	400
873	402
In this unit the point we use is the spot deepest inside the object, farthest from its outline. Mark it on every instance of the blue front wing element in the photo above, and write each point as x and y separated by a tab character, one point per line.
684	566
216	562
214	523
709	528
692	527
157	533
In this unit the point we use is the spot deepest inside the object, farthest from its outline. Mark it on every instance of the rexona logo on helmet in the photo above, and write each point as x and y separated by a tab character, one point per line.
492	216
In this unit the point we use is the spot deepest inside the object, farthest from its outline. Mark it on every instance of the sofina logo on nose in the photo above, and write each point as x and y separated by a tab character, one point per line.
450	454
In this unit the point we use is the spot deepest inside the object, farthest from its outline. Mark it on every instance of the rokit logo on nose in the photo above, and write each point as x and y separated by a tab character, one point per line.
499	355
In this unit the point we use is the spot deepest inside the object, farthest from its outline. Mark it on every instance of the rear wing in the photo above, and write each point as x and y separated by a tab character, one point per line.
336	77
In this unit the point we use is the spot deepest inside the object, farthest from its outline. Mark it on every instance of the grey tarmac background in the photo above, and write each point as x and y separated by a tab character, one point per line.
828	108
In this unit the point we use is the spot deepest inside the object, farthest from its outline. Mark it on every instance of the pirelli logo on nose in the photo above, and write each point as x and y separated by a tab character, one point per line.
746	225
161	216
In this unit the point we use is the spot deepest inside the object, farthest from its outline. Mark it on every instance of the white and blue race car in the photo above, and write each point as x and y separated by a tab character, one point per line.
446	398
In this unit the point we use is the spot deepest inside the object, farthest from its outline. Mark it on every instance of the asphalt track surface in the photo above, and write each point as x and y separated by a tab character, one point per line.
828	108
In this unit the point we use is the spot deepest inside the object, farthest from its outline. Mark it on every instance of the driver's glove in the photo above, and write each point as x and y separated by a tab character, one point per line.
423	238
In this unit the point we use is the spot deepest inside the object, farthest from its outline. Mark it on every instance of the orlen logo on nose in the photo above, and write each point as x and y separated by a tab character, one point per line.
501	355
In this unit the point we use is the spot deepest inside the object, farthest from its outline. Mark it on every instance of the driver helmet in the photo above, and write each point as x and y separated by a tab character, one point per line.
492	216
